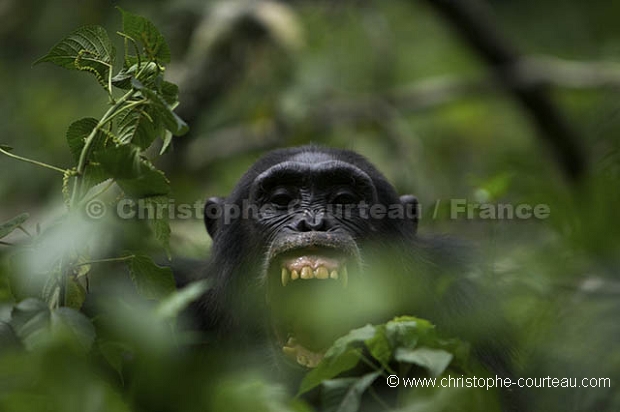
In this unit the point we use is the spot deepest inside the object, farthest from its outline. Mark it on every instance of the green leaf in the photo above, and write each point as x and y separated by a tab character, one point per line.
8	338
329	368
71	323
151	182
152	281
356	337
6	148
78	132
406	331
173	305
94	174
160	225
167	140
343	355
379	346
10	225
88	48
75	292
120	162
115	353
174	123
138	126
144	32
170	92
345	394
30	321
434	360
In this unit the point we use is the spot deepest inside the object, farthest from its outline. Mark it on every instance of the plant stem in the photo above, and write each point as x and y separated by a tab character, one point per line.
109	260
23	159
77	187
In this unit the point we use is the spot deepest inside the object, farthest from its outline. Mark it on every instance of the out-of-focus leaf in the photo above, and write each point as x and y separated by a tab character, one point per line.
434	360
173	305
379	346
329	368
30	320
345	394
69	322
152	281
10	225
8	338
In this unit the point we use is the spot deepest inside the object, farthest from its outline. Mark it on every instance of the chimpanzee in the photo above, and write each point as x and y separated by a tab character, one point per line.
315	241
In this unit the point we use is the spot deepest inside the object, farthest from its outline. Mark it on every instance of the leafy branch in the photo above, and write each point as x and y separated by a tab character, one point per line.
113	149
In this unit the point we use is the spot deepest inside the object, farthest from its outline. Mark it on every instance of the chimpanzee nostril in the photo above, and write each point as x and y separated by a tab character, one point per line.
312	221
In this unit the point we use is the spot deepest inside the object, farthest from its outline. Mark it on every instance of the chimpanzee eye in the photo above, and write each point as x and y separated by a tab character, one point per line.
282	197
344	197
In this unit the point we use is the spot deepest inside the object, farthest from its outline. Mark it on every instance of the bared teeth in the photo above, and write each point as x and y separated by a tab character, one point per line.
285	276
321	273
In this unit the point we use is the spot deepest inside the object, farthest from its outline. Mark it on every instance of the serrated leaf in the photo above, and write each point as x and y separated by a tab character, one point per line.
170	92
138	126
73	324
10	225
144	32
151	182
88	48
171	120
152	281
167	140
77	133
173	305
329	368
345	394
435	361
120	162
94	174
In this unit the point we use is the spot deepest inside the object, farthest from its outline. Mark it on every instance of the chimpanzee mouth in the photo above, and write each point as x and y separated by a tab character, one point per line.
305	273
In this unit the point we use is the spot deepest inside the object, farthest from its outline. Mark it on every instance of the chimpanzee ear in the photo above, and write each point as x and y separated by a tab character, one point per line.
213	212
412	210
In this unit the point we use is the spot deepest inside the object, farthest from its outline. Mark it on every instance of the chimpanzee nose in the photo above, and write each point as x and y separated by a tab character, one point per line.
312	221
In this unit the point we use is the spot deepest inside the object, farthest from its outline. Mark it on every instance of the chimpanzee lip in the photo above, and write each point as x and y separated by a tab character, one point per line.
306	257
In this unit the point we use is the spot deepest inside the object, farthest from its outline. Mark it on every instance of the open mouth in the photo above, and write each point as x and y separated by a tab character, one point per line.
307	275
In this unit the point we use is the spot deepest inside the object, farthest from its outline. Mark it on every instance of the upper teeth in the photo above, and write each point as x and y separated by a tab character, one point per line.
319	273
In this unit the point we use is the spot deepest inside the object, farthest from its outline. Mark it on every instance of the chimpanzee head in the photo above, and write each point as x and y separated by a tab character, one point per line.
291	239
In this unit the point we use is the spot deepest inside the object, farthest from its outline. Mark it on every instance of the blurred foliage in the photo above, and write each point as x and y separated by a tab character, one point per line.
256	77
